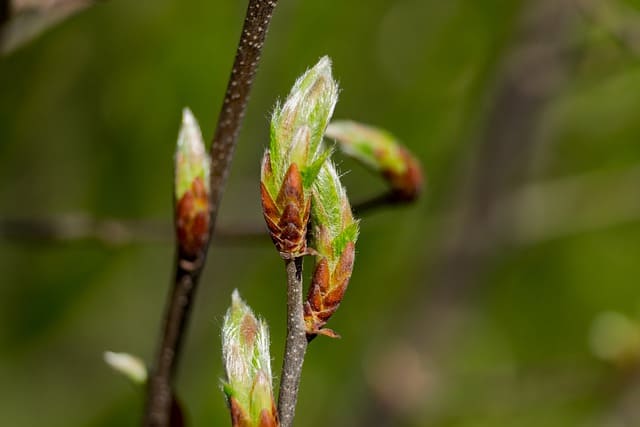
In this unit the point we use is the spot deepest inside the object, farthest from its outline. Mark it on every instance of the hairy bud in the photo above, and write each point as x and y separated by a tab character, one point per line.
381	152
295	156
247	363
335	232
191	188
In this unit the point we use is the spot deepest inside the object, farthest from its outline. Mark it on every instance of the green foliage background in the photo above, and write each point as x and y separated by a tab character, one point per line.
89	116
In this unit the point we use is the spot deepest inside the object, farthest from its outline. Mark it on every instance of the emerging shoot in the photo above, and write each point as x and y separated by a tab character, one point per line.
335	232
295	156
382	152
191	189
247	363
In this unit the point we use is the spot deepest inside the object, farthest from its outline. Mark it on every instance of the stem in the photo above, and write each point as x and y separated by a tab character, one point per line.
295	347
234	105
256	23
384	200
160	391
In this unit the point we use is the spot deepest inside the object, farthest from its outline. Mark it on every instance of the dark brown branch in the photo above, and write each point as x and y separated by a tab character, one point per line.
235	101
257	20
295	347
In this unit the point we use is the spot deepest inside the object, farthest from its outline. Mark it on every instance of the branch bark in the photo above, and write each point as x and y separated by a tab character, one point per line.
187	271
296	344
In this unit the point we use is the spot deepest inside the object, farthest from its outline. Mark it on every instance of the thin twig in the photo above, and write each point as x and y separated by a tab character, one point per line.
124	231
296	344
538	211
257	20
384	200
115	232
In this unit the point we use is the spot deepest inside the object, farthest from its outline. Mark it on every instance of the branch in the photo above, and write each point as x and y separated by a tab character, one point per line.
381	201
123	231
296	344
535	70
115	231
257	20
539	211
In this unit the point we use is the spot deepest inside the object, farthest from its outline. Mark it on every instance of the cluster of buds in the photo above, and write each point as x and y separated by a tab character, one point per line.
299	183
191	189
295	156
334	236
381	152
247	363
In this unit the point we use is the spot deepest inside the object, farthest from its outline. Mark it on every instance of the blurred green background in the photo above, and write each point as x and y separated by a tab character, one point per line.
89	114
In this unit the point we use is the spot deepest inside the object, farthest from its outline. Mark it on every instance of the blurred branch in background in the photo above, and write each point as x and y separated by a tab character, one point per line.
535	68
122	232
538	212
23	20
115	231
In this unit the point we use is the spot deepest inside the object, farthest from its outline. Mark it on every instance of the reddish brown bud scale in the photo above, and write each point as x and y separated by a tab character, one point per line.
291	189
288	216
239	418
406	186
269	418
192	219
326	292
342	272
